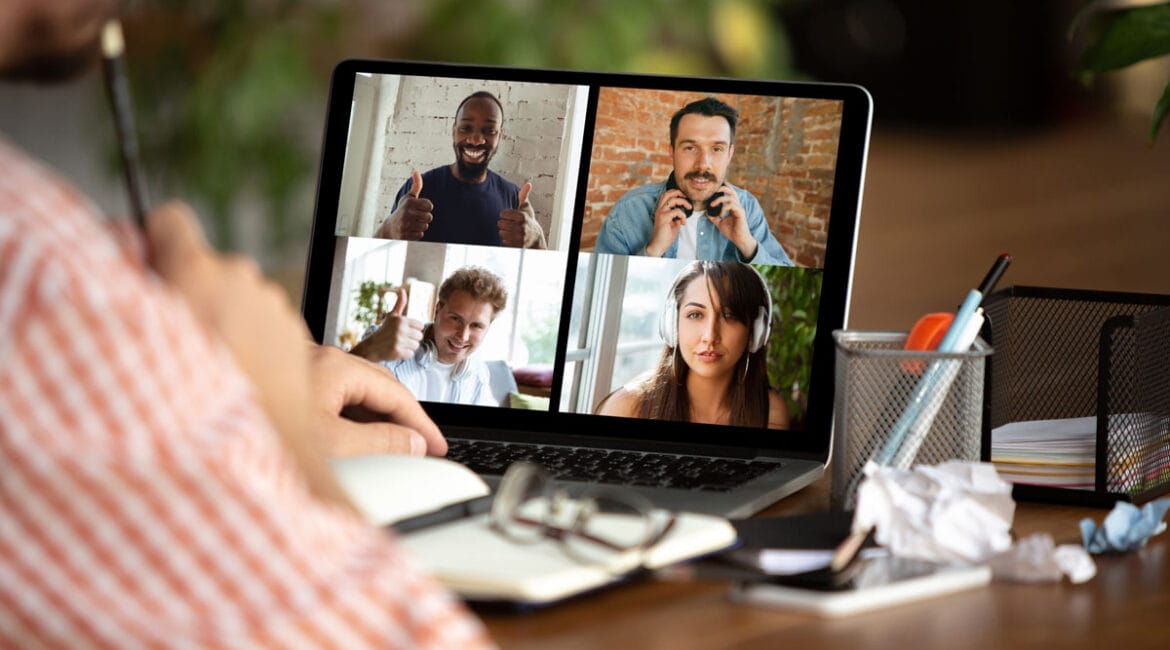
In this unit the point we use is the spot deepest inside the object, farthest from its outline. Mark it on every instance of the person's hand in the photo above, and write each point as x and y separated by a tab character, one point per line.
411	218
252	316
398	337
390	421
733	224
519	227
669	217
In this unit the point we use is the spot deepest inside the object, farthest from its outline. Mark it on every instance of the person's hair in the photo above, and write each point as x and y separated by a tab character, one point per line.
664	394
481	284
708	106
483	94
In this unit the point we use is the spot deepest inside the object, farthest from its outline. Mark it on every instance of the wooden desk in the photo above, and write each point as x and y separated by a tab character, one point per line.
1127	606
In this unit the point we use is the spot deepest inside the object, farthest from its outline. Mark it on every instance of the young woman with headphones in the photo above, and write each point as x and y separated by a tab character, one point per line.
715	323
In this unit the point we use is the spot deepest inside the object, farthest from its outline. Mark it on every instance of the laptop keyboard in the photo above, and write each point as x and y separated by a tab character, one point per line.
611	466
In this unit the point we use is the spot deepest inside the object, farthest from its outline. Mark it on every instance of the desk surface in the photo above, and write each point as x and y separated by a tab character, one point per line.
1126	606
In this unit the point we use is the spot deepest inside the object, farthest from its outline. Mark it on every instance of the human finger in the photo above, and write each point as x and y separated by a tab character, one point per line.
400	306
375	388
351	438
416	183
415	204
522	198
512	216
174	239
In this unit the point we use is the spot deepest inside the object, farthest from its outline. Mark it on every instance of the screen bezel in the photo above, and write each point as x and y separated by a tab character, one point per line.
812	442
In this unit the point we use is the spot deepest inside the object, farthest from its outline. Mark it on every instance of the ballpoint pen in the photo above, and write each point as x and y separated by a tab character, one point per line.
911	428
117	89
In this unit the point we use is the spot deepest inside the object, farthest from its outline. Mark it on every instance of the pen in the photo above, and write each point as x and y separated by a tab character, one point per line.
993	275
117	89
926	400
938	377
452	512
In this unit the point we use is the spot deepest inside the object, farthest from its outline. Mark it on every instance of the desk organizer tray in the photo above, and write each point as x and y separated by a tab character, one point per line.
1077	394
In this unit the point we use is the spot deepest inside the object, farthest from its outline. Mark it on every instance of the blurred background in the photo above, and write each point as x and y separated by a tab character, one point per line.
985	140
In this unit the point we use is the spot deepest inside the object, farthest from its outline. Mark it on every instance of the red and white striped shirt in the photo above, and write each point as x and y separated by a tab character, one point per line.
145	501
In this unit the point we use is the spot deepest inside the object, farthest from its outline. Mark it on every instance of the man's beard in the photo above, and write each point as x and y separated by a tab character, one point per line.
471	171
697	203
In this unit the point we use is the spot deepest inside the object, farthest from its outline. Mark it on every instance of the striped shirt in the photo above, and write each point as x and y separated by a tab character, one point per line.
145	500
467	382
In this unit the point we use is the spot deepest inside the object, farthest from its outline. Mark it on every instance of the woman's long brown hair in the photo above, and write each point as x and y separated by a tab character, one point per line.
664	394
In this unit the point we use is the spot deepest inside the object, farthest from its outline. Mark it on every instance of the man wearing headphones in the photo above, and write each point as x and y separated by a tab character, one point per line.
695	213
439	366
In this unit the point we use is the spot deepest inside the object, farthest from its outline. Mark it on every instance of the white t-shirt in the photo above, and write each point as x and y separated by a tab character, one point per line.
688	236
436	383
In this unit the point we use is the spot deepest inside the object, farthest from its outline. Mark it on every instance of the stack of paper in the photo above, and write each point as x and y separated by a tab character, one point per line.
1057	453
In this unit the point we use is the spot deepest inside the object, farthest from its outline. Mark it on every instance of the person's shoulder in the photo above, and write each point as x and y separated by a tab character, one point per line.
648	191
476	369
777	410
641	198
502	183
623	402
442	173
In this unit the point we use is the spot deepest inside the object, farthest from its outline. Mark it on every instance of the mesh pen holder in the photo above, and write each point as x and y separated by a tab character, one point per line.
878	384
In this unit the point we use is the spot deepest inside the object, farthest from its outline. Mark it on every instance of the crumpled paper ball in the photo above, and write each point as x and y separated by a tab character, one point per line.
956	512
1126	527
1037	558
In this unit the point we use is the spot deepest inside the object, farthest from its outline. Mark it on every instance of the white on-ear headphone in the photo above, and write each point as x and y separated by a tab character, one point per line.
761	326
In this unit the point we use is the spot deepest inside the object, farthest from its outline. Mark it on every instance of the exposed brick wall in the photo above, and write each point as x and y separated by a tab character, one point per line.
418	135
785	155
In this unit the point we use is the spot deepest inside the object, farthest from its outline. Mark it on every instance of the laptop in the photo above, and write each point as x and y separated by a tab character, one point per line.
614	358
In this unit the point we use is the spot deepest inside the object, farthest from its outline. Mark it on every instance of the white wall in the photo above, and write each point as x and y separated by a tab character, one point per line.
417	135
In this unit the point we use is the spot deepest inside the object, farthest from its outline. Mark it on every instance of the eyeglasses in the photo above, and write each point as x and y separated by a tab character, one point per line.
600	525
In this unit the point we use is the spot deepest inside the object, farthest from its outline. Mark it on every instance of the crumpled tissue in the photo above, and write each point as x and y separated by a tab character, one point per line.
1126	527
953	513
1037	558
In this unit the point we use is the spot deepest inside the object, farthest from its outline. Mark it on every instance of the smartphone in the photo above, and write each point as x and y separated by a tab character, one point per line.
874	583
715	211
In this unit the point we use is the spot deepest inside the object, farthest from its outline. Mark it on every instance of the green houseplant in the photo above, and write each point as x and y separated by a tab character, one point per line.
795	297
370	303
1120	36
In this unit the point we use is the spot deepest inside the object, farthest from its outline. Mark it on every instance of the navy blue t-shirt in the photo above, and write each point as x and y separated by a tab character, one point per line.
464	213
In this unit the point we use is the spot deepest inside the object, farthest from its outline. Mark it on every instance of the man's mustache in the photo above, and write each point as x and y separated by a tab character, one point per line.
704	175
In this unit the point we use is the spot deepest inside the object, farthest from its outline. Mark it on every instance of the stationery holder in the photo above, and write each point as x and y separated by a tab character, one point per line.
1068	353
875	381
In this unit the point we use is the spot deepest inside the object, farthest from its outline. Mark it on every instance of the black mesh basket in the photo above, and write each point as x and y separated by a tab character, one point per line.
1098	358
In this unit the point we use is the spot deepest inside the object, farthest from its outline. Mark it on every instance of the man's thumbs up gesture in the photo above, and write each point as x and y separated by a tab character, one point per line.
519	227
411	217
398	337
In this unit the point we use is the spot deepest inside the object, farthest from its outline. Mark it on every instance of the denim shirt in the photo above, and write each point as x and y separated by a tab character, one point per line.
630	224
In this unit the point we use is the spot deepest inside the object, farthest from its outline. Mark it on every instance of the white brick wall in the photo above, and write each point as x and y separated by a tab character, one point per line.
418	135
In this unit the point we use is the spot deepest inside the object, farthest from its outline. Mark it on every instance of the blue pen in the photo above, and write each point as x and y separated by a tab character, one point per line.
950	344
958	339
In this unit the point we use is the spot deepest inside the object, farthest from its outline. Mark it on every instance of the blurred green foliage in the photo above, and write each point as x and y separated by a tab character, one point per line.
796	295
230	94
370	298
540	338
1118	37
737	38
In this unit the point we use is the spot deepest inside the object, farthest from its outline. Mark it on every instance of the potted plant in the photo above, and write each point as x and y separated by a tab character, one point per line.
1120	36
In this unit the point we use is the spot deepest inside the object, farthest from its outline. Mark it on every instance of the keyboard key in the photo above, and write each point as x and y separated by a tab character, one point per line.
615	467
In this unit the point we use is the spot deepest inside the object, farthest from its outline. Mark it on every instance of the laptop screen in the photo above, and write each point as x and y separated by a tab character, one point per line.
592	256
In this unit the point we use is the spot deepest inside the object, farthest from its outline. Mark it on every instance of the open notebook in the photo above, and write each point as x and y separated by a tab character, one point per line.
481	564
560	371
